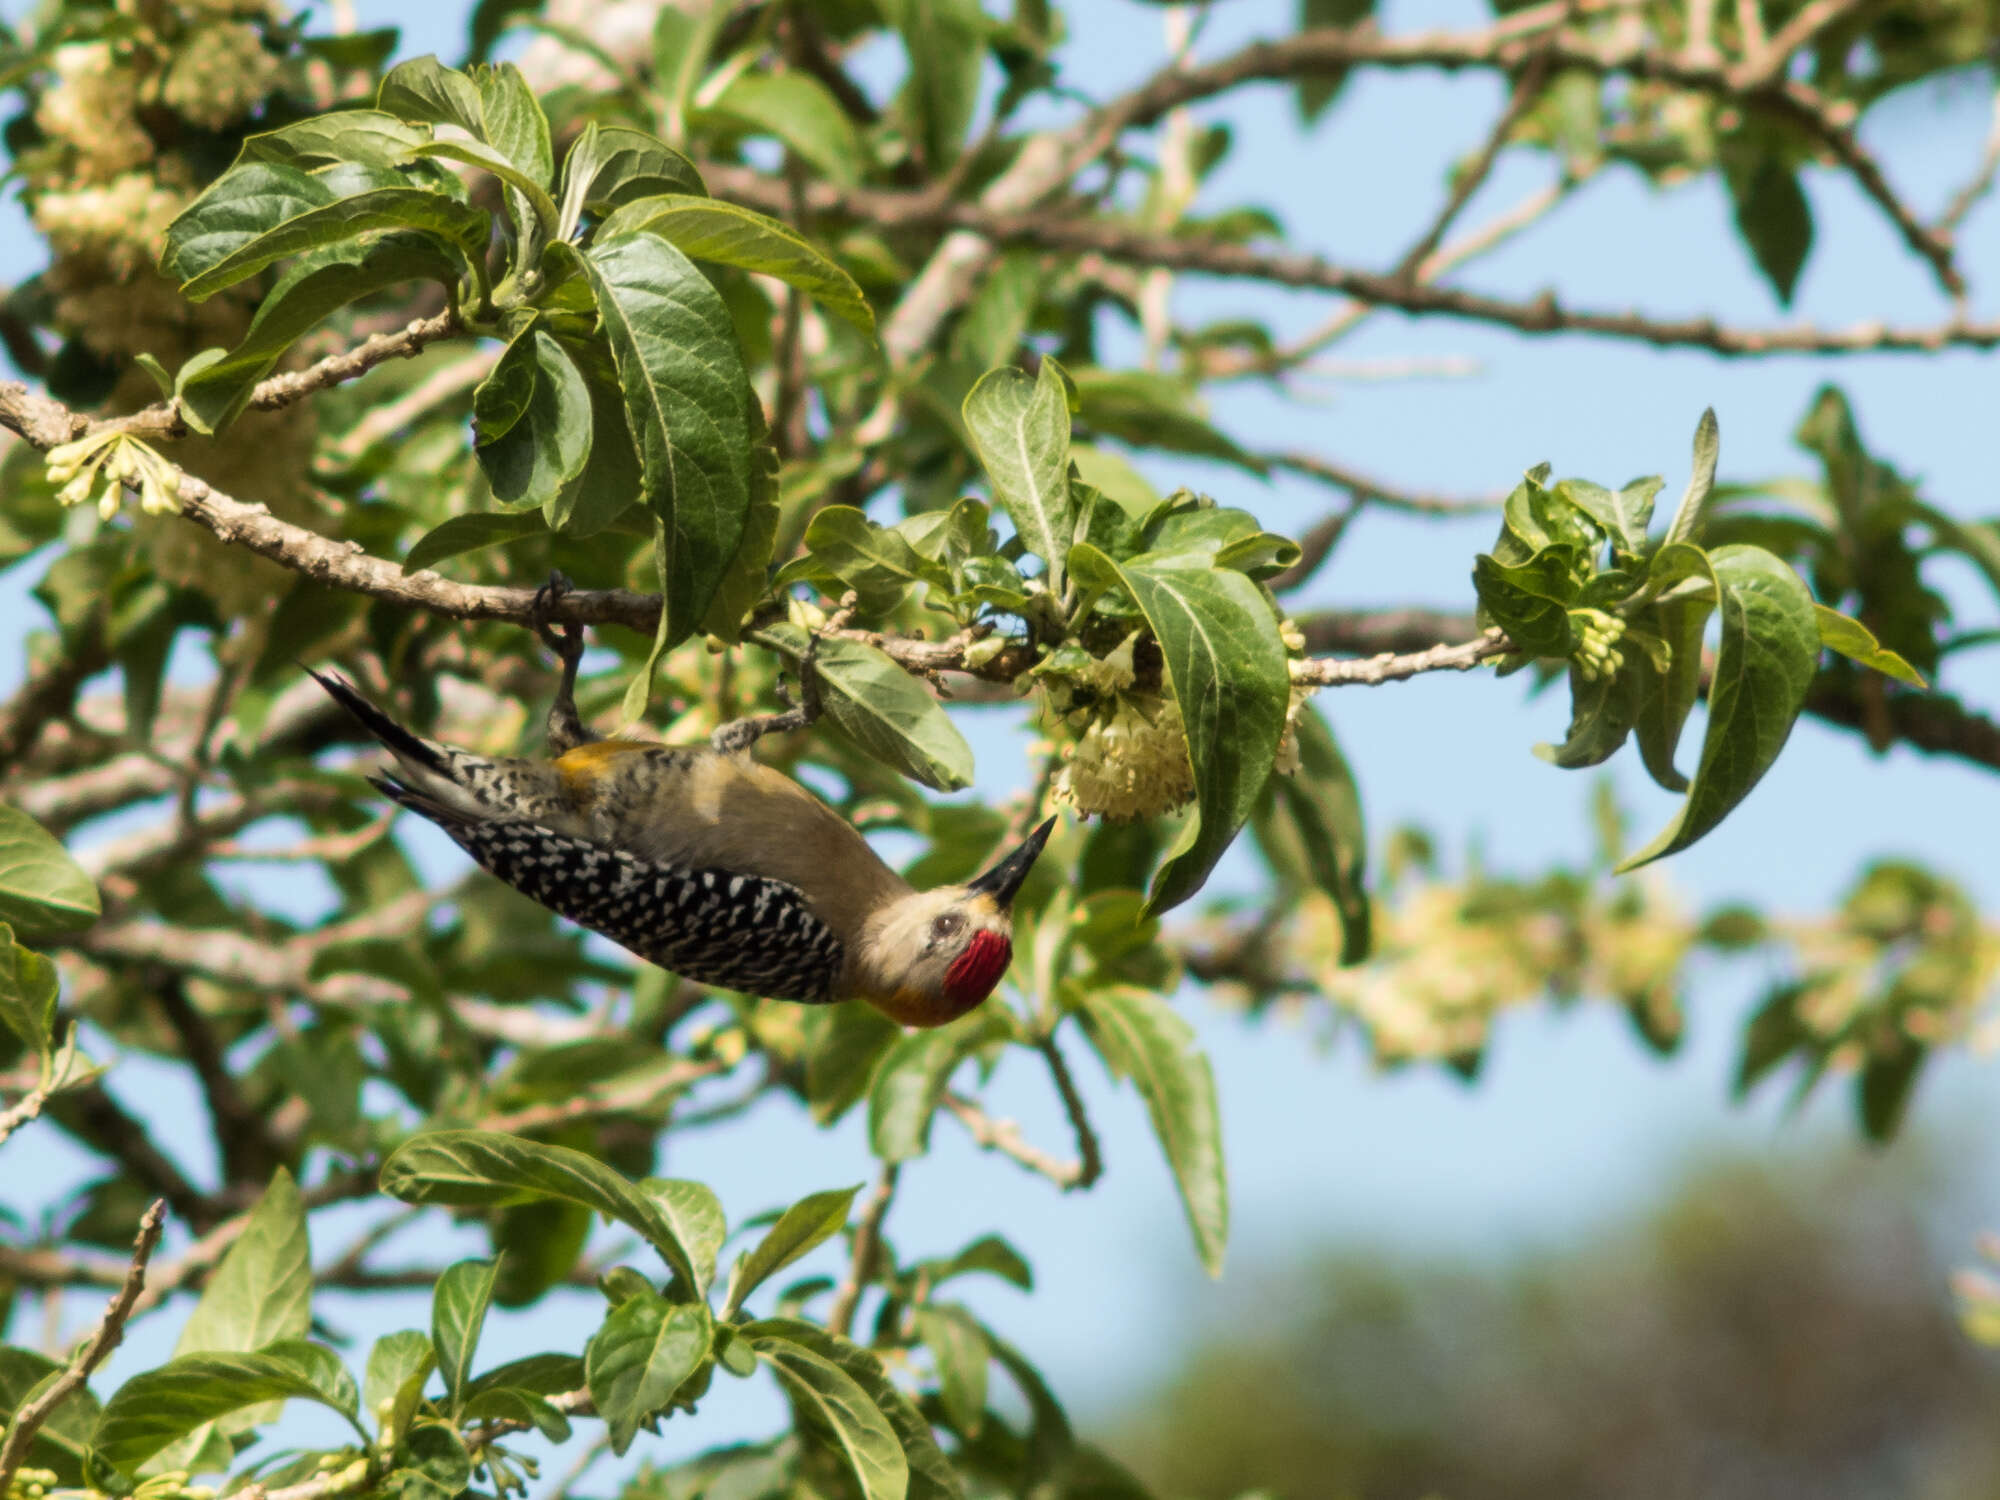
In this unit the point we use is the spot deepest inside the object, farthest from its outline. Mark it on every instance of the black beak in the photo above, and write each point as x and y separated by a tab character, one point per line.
1005	878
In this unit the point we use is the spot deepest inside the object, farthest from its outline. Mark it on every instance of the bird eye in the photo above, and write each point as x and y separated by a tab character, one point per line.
947	924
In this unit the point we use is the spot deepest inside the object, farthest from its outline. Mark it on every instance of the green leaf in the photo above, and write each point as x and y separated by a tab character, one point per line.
1679	621
319	285
41	888
945	40
877	562
618	165
1852	639
994	322
1229	675
800	111
910	1081
435	1465
398	1367
710	229
1887	1080
236	209
1774	218
194	238
1624	514
961	1354
610	482
65	1436
687	402
683	41
28	990
458	1315
932	1476
695	1215
645	1351
531	193
512	123
1531	601
845	1043
1769	651
532	421
639	691
262	1291
507	1403
1603	711
476	1169
883	709
1317	90
990	1255
802	1227
538	1374
1322	806
471	532
1701	479
424	89
1148	409
153	1410
1020	427
1141	1037
748	576
369	136
837	1409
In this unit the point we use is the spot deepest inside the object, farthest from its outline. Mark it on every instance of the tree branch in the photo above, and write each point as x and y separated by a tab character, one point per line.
1394	667
1004	1136
1527	89
109	1334
867	1245
162	420
1090	1158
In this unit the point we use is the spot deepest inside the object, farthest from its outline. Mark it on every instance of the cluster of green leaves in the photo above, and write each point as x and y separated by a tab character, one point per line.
1575	578
42	892
1183	571
622	387
247	1349
1906	961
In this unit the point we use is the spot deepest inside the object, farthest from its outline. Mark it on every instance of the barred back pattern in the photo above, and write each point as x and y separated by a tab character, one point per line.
738	932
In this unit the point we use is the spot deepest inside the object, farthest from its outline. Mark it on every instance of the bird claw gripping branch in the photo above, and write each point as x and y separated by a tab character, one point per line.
701	860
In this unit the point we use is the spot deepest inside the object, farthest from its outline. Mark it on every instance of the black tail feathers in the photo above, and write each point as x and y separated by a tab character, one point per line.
400	742
415	801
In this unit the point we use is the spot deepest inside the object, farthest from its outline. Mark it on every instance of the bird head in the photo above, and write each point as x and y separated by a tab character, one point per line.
932	956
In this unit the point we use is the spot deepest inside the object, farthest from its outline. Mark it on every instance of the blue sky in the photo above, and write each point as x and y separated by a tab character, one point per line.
1572	1121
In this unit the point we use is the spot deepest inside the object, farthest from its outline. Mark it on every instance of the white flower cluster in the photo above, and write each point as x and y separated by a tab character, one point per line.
220	74
93	110
103	189
101	465
1131	762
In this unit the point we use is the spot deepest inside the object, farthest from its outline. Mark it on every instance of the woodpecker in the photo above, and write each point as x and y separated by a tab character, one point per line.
707	863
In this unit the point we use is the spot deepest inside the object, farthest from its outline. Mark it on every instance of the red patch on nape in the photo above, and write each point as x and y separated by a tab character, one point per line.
971	978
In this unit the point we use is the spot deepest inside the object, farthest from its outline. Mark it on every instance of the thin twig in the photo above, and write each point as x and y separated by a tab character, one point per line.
1090	1157
867	1245
1390	667
1767	65
163	419
110	1333
992	1133
1981	183
1388	497
633	1098
1527	90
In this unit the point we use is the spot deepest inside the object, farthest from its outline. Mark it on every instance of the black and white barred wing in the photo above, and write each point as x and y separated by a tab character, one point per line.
737	932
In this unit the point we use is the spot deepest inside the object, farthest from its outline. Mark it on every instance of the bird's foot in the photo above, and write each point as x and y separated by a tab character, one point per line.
565	726
741	734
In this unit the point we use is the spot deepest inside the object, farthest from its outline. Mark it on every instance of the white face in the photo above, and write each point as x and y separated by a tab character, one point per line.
916	943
